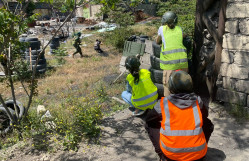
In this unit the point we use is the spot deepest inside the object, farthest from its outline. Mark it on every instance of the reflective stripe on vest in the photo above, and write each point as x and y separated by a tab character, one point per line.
169	132
173	51
173	56
148	104
174	61
145	97
184	150
170	140
144	93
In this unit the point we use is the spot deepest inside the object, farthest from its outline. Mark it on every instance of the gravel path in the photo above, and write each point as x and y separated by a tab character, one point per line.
125	139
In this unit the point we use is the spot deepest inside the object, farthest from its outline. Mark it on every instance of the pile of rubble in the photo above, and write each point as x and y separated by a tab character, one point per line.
89	22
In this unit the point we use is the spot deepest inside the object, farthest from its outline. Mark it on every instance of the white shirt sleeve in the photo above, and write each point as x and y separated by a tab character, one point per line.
160	31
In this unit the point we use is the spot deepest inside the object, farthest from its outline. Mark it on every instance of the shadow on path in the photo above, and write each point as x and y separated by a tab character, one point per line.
215	155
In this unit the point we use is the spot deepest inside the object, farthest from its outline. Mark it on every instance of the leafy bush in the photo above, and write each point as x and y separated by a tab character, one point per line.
185	11
121	18
60	52
117	37
77	117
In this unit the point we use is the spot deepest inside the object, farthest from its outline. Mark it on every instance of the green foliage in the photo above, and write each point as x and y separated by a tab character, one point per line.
119	11
11	28
239	112
85	116
185	11
68	5
60	52
30	8
22	68
156	23
117	37
121	18
11	140
62	5
58	57
102	94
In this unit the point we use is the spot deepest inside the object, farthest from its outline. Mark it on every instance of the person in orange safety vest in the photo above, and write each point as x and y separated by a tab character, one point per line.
183	115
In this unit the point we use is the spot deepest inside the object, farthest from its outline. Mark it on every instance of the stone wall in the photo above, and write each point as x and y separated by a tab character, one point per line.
233	81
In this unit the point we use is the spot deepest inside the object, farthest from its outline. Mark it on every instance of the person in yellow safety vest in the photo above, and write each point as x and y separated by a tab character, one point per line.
185	129
173	53
141	93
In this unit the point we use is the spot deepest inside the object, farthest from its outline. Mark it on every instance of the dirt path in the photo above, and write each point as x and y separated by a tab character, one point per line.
125	139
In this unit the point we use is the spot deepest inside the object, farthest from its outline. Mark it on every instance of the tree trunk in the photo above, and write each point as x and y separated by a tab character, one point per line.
209	30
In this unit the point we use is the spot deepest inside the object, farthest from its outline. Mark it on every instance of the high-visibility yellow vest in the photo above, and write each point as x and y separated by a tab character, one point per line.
174	56
144	93
181	134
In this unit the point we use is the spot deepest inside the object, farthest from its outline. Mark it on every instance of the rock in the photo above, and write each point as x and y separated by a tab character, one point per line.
41	110
241	58
242	86
248	103
243	27
227	56
45	158
50	125
235	42
232	10
232	27
228	83
234	71
231	96
48	119
47	116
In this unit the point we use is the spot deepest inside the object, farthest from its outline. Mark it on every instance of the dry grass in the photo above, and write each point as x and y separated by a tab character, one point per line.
77	75
150	31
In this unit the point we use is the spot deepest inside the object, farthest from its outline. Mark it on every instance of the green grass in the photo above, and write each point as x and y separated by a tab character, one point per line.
239	112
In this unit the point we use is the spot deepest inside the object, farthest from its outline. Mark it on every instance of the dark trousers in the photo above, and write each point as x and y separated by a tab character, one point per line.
167	159
78	50
97	48
154	135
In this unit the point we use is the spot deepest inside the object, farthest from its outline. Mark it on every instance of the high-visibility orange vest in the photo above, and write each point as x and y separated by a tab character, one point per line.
181	135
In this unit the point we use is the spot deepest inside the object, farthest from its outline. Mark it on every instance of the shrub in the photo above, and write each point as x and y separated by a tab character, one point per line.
60	52
117	37
75	118
185	11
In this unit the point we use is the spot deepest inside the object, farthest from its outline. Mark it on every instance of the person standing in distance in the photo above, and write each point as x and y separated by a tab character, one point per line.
173	53
77	44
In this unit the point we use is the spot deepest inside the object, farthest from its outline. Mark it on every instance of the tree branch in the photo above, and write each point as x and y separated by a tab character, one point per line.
6	108
206	61
39	55
211	28
11	83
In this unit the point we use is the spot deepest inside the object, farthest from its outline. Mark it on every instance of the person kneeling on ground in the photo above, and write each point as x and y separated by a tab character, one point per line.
185	129
97	46
141	92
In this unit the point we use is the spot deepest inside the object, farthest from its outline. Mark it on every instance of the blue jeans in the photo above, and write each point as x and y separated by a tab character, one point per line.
127	97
